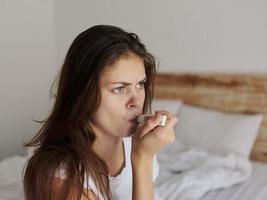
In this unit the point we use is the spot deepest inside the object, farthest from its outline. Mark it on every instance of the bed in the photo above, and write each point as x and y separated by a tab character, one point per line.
235	103
221	166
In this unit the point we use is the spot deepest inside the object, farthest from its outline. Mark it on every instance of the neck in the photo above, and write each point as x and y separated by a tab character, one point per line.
107	148
111	150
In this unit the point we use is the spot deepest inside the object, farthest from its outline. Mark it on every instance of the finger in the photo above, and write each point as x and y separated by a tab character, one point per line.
150	124
171	122
171	119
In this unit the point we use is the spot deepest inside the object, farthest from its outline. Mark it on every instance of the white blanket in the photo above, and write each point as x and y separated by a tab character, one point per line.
187	174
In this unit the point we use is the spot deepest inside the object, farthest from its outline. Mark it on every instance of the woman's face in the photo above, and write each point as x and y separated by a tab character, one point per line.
122	97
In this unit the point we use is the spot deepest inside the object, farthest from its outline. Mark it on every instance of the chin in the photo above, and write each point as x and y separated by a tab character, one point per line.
128	131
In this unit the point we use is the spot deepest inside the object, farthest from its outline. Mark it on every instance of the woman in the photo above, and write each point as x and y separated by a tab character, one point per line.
91	146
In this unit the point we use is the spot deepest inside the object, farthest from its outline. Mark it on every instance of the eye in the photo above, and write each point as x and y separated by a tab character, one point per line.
141	85
118	90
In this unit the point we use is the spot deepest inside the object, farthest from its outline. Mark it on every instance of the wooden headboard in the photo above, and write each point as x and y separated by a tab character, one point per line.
225	92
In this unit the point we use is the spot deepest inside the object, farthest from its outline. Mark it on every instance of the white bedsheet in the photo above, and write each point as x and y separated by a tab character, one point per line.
254	188
188	174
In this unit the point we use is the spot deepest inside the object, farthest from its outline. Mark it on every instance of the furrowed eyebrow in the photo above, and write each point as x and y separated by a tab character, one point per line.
126	83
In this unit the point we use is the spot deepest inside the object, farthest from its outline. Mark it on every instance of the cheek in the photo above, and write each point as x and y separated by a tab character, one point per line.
115	103
107	114
112	106
142	96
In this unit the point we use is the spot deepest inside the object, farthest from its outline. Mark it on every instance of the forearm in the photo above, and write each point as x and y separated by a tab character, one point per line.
142	179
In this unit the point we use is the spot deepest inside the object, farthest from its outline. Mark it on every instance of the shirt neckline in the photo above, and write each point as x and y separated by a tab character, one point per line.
124	163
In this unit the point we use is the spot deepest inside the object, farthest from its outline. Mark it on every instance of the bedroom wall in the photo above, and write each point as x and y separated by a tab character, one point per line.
186	36
27	66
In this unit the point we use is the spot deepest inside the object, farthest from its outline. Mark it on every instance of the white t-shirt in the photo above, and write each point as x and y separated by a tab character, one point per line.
120	185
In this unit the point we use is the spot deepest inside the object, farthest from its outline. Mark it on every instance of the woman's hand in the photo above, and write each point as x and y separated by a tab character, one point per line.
150	138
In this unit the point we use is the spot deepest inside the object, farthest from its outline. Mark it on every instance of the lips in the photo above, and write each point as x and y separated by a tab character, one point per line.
134	120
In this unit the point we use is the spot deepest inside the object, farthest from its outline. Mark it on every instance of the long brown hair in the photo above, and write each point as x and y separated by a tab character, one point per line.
65	136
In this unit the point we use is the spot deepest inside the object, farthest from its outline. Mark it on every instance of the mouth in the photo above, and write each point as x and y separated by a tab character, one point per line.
134	121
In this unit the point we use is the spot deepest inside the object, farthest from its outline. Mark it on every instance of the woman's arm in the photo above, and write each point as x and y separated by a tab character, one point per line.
57	185
147	141
142	178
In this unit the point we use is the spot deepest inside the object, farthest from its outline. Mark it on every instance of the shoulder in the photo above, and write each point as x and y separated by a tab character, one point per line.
58	188
47	162
44	159
61	171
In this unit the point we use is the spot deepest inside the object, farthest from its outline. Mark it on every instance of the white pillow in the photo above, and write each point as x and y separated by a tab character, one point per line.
217	131
169	105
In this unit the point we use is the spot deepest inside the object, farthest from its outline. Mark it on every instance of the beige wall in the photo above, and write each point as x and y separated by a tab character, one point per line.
27	65
185	35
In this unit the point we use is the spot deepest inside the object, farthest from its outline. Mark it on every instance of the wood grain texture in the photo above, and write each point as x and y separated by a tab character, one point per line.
224	92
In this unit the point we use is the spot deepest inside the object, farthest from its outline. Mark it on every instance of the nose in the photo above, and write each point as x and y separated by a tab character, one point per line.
134	101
